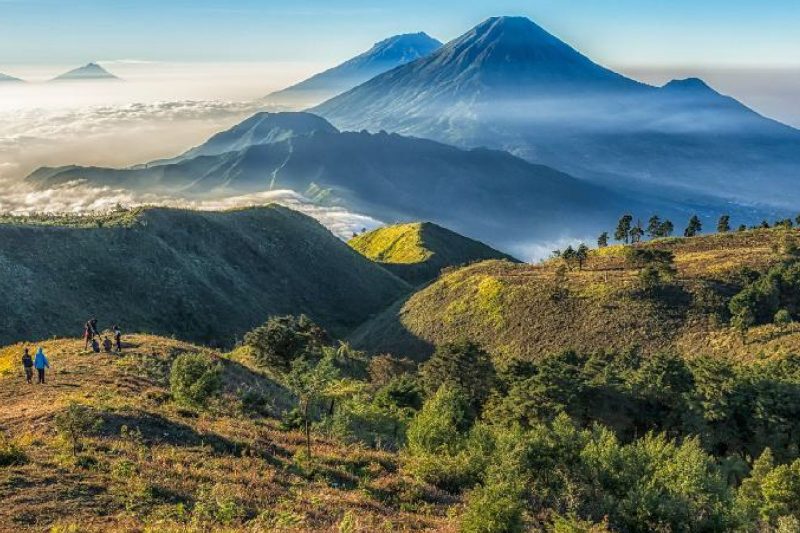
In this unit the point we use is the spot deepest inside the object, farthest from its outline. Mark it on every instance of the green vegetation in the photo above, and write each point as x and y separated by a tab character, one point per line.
119	217
666	294
201	276
194	379
418	252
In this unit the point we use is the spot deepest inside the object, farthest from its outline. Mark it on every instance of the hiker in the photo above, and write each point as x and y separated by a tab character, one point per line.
107	344
95	346
89	332
41	362
27	364
117	337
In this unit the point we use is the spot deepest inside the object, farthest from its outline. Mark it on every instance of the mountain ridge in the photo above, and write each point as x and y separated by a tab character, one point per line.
510	85
89	71
383	56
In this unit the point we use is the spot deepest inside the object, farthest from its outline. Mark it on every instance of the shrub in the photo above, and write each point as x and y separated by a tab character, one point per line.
194	379
464	365
441	448
76	422
283	339
11	453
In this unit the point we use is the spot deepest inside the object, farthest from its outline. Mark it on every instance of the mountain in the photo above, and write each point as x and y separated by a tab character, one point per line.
531	311
486	194
207	276
509	84
261	128
4	78
382	57
90	71
417	252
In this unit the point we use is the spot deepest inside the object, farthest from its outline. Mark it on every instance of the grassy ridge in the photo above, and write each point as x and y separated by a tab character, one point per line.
530	310
203	276
417	252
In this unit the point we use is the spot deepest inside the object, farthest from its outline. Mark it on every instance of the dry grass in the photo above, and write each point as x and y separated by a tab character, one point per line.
156	466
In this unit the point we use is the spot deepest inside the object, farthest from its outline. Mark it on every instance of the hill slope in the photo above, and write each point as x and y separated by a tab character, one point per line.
417	252
509	84
154	465
529	310
7	78
207	276
382	57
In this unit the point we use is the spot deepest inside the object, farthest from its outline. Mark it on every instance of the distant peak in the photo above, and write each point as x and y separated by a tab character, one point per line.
689	84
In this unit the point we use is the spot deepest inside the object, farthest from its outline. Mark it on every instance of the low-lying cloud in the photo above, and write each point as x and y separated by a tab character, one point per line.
78	197
109	135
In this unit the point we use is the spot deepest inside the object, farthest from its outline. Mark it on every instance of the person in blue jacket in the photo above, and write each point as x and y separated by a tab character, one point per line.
41	362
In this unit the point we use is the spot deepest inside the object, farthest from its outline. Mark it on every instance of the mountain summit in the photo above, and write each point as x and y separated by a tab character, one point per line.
6	78
511	85
383	56
90	71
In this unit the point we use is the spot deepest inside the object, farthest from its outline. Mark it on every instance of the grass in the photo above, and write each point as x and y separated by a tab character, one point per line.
418	252
201	276
602	306
156	466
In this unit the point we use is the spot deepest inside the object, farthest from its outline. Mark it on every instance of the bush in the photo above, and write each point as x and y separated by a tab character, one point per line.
11	453
194	379
442	449
283	339
493	508
76	422
465	365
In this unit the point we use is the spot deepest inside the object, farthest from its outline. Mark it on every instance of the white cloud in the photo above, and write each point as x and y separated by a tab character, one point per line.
79	197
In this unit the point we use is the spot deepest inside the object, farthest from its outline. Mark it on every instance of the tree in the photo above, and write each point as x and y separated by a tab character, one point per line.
602	240
724	224
464	364
282	339
568	255
694	227
581	255
764	224
623	231
309	383
667	227
743	321
637	232
654	226
194	378
742	227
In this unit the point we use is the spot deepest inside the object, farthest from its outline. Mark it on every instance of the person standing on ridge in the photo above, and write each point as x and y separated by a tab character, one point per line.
89	332
27	364
117	337
41	363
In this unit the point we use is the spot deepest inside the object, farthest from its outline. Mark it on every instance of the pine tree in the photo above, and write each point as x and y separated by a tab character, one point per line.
654	227
694	227
602	240
622	233
581	255
637	232
666	229
724	224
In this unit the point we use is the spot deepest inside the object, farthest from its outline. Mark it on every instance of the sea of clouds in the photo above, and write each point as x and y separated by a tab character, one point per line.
118	124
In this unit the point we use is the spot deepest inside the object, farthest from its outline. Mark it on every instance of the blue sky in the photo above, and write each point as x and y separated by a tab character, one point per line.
615	32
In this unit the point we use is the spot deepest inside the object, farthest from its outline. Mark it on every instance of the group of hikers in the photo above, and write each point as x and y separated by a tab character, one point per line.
90	336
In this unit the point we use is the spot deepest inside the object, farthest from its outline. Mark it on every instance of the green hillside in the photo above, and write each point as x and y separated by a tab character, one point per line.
532	310
203	276
418	252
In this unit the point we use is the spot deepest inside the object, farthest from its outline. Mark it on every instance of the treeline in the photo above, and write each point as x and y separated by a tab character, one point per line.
571	442
630	233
